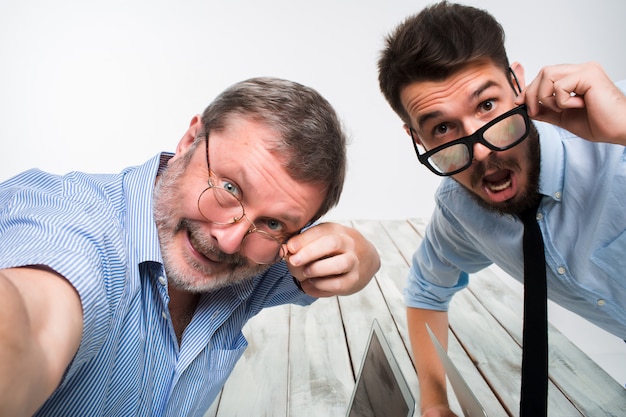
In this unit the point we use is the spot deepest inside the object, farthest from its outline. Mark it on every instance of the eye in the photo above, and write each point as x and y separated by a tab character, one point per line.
487	105
271	226
230	187
442	131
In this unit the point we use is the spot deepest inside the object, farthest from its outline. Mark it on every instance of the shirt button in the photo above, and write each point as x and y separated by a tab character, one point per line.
561	270
162	280
557	195
601	302
164	315
539	216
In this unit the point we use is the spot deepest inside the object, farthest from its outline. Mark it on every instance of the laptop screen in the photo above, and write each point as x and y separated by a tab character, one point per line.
468	401
380	390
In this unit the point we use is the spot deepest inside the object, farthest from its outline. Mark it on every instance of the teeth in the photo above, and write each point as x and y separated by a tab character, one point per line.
500	186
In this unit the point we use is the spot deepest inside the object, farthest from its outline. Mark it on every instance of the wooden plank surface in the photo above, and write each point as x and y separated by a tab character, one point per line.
401	237
249	392
320	372
302	361
578	386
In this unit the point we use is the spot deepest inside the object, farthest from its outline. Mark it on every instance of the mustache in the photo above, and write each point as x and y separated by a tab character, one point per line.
207	247
493	162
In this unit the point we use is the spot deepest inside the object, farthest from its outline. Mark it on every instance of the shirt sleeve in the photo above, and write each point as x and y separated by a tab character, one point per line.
279	288
41	225
442	263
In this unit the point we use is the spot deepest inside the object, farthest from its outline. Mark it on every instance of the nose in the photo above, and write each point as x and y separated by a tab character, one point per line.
481	152
230	236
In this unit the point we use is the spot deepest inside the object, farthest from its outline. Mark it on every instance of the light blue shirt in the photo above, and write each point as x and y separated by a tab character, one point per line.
98	232
582	218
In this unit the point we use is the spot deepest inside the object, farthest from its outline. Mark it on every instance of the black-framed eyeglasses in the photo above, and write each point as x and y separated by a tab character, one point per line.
219	204
500	134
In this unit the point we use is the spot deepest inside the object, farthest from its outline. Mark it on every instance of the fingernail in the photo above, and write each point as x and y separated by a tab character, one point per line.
294	260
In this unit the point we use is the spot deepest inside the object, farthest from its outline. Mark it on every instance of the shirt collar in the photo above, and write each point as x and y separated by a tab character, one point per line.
551	177
139	191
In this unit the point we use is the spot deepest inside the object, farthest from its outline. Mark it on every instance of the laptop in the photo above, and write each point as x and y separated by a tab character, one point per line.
469	403
380	389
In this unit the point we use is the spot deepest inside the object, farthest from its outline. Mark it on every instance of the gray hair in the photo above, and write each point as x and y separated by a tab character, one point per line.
312	143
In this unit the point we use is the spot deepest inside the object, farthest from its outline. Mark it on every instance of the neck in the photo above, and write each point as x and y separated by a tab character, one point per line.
182	306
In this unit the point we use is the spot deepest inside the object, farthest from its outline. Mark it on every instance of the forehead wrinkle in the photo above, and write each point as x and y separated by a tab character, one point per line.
243	176
248	189
481	88
445	94
432	93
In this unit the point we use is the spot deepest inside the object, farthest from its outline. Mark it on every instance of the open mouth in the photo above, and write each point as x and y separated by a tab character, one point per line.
499	186
498	181
197	248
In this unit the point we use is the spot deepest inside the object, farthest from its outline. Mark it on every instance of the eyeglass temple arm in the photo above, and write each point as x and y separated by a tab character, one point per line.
519	89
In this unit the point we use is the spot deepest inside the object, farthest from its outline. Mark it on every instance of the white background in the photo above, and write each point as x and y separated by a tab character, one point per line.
101	85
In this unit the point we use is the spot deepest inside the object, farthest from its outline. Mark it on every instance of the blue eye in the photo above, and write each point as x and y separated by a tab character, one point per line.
230	187
274	225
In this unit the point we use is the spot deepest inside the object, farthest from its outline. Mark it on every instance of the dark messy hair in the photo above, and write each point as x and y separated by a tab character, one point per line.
434	44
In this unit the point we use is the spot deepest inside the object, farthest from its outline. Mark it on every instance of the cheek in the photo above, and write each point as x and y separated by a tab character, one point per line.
174	200
465	179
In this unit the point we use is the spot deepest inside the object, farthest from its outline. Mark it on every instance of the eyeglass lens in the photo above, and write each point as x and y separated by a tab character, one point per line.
500	136
219	206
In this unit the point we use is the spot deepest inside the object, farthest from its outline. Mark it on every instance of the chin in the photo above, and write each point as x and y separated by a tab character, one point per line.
198	286
194	279
514	205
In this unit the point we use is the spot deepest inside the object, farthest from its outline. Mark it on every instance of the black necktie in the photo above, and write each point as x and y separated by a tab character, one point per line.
534	394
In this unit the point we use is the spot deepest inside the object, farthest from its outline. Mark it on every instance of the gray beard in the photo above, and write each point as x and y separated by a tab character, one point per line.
188	274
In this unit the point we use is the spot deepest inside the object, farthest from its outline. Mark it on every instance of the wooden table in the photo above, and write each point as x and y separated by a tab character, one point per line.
302	361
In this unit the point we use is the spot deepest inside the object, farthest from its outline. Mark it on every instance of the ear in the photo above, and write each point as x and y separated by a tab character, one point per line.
518	70
414	136
195	128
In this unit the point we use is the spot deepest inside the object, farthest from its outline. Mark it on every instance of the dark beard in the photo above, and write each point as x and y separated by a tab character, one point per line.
530	195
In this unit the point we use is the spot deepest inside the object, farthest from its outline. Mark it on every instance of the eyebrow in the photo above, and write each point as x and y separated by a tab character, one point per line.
476	94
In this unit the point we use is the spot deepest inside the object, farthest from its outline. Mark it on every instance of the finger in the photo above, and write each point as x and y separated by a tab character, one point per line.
563	86
331	284
540	93
321	247
546	96
569	92
530	96
333	266
302	239
309	288
336	265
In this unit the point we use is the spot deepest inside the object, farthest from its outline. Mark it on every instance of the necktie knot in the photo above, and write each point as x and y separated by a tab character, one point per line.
529	214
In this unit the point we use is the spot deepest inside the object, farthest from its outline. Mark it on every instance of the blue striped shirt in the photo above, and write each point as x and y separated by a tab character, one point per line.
98	232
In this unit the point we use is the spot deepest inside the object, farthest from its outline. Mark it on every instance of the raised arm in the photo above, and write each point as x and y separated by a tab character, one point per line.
40	331
432	378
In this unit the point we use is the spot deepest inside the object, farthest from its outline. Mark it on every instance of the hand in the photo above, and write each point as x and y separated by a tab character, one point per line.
580	98
330	259
438	411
